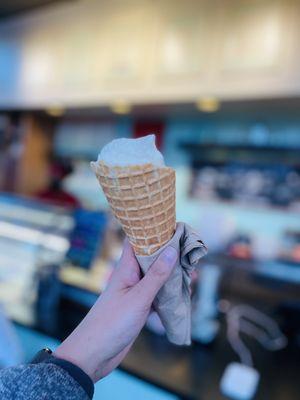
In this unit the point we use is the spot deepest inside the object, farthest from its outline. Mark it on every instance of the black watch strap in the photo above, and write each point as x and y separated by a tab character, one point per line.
41	356
45	356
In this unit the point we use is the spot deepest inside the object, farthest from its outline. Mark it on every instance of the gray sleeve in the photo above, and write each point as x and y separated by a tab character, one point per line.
39	382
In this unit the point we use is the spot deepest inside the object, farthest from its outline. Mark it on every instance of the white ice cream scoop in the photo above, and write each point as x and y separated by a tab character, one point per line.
124	152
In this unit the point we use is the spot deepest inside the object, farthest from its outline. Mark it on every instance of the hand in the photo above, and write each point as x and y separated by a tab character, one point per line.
104	337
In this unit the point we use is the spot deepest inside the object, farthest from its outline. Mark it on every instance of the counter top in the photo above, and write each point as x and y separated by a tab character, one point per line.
195	372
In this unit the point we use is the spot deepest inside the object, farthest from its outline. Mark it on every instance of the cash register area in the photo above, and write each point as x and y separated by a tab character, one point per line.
237	161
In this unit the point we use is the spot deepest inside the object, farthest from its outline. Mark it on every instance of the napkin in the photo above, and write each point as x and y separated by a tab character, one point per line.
173	301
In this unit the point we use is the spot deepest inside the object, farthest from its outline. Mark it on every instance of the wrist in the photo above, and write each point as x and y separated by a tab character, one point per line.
81	359
46	356
72	355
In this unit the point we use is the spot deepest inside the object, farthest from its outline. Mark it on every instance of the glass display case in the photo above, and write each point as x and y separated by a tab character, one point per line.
34	236
31	235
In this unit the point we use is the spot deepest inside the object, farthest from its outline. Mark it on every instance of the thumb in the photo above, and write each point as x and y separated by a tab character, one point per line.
157	275
128	272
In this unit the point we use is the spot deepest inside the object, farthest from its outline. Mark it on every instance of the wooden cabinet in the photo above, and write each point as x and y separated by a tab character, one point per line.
183	44
151	51
125	38
32	175
254	48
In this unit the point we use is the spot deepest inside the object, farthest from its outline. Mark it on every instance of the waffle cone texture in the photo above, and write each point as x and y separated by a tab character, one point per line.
142	198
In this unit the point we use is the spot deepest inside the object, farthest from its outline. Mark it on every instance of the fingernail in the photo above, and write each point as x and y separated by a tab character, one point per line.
169	255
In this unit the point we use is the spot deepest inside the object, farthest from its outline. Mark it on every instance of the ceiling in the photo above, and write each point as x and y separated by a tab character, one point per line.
9	8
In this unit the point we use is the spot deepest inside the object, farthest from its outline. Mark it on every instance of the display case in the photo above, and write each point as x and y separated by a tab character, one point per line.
31	235
36	242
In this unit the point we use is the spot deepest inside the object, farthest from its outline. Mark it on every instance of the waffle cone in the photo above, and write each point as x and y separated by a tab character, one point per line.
142	198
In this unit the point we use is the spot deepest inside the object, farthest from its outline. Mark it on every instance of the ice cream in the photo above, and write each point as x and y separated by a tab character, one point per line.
124	152
140	190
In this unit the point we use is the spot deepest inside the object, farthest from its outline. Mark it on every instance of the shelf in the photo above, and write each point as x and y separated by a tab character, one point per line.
250	207
258	155
271	271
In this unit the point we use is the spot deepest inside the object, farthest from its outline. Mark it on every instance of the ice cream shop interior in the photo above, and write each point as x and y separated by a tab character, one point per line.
218	85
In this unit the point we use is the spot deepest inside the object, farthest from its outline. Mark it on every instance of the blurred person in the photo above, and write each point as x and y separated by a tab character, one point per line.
55	194
101	340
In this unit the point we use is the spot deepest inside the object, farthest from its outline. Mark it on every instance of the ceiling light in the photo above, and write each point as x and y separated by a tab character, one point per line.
120	107
55	111
208	104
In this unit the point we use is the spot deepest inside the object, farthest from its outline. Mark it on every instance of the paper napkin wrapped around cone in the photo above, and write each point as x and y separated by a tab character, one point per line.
173	301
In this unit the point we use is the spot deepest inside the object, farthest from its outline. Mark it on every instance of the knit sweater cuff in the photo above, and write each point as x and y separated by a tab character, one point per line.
73	370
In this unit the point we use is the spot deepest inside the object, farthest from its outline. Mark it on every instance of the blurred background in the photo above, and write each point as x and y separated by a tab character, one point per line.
218	83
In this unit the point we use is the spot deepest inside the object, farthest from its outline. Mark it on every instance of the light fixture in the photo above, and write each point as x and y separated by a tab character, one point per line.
55	111
208	104
120	107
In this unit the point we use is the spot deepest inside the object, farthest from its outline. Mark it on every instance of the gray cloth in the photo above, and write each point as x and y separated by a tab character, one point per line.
173	302
39	382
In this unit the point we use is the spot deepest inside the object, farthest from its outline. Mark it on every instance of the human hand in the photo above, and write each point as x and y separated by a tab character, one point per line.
106	334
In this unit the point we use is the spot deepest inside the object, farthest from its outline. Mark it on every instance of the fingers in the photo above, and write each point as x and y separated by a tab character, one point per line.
157	275
127	273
